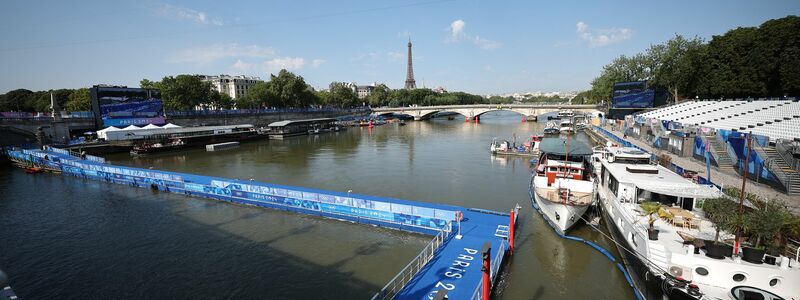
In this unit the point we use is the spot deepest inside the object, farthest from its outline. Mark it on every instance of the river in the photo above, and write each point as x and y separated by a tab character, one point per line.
63	237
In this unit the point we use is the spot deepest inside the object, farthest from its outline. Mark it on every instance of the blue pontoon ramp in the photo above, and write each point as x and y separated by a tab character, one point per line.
451	262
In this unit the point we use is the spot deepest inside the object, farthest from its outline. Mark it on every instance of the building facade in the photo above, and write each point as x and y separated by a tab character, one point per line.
234	86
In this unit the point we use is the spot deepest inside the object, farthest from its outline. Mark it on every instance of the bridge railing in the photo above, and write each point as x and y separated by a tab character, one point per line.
396	284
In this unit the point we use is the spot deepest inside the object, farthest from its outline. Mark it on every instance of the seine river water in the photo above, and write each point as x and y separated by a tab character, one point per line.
63	237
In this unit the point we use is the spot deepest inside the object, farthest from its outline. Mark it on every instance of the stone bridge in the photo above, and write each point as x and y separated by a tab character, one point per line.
474	111
15	131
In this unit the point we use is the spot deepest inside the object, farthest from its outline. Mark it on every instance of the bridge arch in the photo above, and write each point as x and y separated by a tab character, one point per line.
12	136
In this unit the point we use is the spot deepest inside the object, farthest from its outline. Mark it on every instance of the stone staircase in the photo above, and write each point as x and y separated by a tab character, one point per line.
788	176
720	152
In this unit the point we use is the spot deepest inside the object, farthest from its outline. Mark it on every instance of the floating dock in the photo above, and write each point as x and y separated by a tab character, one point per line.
222	146
467	250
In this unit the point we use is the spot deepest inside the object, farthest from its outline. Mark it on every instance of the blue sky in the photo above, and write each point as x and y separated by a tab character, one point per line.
474	46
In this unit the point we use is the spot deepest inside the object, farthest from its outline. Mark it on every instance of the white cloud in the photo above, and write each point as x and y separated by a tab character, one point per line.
288	63
457	28
317	62
209	54
458	34
273	65
182	13
602	37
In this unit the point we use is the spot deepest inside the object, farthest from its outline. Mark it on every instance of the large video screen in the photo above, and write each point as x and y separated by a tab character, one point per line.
122	106
633	94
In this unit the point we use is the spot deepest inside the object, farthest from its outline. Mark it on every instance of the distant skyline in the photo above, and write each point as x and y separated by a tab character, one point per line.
481	47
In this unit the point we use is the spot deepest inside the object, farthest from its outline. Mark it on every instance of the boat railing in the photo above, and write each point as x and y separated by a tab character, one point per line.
494	268
792	248
405	275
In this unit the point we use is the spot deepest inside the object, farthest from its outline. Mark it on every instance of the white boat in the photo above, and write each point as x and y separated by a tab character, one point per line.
565	114
566	126
551	128
562	183
530	148
660	261
499	146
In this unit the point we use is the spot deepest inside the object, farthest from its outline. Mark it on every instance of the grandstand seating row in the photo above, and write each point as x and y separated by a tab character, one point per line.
777	119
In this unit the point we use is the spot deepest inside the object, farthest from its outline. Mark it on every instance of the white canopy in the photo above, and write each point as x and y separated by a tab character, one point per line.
102	132
688	190
132	127
170	125
151	126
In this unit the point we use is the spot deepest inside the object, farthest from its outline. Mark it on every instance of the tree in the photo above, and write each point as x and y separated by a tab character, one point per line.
257	96
184	92
342	95
289	90
79	100
221	101
673	64
17	100
147	84
379	96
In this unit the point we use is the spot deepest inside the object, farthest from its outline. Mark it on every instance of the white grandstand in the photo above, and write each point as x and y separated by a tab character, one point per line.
776	119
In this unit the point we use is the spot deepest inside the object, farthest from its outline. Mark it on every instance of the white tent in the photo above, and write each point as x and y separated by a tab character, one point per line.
151	126
170	125
101	134
131	127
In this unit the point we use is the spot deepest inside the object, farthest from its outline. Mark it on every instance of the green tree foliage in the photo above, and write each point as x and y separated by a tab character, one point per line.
674	64
257	97
428	97
379	96
184	92
288	90
79	100
17	100
744	62
341	95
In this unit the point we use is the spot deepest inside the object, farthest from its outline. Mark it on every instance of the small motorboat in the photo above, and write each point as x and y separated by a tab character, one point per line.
551	128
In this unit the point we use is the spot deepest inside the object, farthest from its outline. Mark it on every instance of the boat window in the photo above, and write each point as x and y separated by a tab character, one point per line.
553	169
613	185
602	174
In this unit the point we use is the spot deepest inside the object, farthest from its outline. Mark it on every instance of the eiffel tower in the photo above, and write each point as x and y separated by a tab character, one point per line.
410	83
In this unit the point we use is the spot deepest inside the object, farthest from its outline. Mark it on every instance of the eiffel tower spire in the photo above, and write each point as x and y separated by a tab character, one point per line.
410	83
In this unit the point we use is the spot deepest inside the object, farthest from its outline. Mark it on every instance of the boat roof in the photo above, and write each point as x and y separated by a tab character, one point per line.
559	146
658	179
629	152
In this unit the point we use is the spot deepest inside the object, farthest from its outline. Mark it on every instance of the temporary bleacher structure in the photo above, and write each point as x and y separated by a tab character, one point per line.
776	119
779	120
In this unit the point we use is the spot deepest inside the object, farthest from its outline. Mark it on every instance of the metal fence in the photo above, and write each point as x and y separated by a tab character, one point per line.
406	274
187	113
224	112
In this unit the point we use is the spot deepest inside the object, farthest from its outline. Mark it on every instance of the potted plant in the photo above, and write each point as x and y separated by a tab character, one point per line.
723	216
651	209
764	224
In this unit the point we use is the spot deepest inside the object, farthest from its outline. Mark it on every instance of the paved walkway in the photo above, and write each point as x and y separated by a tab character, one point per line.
724	179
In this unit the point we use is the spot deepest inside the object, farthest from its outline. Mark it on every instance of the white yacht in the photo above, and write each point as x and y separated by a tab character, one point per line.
562	183
661	262
565	114
566	126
